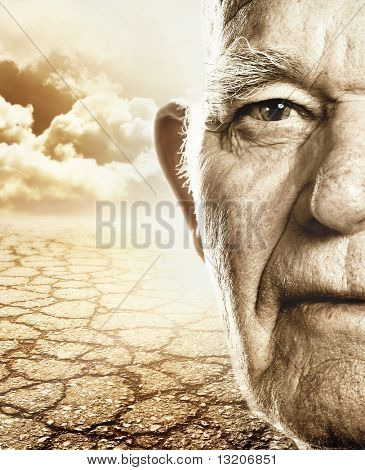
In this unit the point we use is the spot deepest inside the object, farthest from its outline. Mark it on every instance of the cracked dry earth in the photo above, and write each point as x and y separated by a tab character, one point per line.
113	349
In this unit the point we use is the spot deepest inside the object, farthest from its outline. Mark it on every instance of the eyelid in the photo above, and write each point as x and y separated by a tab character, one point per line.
285	92
302	110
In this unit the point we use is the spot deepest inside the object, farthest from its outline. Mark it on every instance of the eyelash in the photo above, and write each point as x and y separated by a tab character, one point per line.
244	110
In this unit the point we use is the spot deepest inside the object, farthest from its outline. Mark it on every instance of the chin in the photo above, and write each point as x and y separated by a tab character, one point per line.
319	421
314	387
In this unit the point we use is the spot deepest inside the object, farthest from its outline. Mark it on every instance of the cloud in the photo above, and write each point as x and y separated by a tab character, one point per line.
56	151
74	161
15	122
103	126
152	48
36	85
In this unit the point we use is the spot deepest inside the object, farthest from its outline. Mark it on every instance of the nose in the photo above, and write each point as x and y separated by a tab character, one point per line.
335	198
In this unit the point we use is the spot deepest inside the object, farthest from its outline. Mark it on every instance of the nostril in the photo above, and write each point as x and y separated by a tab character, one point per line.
333	203
317	227
339	207
338	196
304	214
309	223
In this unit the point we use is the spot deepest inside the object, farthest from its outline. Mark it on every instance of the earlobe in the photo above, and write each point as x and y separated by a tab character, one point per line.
169	127
169	139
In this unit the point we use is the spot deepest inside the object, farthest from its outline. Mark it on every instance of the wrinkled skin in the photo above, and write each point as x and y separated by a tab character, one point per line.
294	291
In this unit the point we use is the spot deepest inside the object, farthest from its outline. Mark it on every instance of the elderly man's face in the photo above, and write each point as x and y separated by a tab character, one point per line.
283	137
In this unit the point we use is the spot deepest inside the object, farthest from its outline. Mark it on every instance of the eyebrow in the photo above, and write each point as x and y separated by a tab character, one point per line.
241	71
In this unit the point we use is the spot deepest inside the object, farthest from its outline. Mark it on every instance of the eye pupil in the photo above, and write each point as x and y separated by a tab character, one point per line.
274	110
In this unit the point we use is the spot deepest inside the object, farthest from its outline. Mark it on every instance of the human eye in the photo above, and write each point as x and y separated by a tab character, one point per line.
273	121
273	110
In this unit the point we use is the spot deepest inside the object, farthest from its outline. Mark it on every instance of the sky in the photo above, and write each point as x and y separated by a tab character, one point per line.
80	83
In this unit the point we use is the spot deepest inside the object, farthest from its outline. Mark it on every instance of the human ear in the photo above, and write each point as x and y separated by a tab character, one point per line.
169	140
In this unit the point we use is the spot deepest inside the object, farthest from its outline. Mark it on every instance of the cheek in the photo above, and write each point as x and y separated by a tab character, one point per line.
251	191
248	198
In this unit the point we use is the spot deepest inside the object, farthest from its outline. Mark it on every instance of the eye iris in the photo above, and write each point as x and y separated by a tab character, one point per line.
275	111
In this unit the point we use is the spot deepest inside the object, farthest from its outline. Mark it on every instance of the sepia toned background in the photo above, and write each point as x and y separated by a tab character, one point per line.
123	60
103	348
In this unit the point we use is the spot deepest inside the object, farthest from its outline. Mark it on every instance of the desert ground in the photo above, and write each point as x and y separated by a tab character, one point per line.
114	349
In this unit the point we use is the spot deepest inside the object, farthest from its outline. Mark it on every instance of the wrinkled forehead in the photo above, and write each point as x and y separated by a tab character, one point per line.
228	9
305	28
224	20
